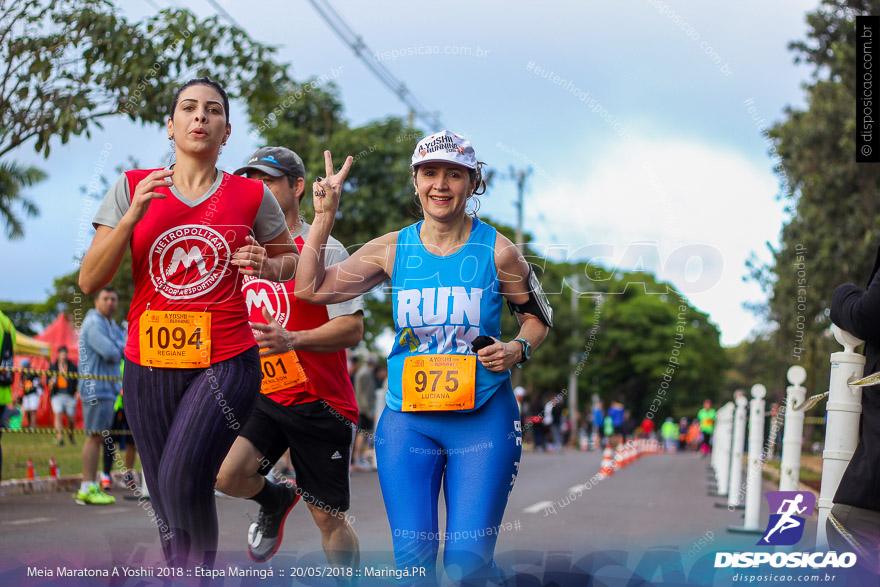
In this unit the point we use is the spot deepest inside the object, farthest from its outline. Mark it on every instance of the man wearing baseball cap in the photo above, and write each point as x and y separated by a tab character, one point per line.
315	415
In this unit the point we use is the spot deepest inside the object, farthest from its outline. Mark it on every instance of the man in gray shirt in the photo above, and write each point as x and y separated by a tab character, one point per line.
101	344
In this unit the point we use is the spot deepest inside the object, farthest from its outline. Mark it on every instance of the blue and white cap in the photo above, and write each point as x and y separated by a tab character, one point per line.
274	161
445	146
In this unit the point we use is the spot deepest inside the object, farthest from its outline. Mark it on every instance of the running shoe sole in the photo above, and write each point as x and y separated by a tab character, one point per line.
280	535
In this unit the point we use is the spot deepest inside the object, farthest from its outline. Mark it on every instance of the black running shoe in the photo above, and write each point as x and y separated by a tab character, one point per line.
265	535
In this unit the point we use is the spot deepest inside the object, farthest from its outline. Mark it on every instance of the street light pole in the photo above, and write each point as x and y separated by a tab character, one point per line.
573	361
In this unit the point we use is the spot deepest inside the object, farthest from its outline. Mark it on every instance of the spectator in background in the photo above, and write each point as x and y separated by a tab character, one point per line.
33	389
682	434
539	427
647	427
598	420
13	416
63	393
354	363
694	436
629	425
706	416
381	373
552	420
615	412
7	349
101	343
365	394
520	393
669	432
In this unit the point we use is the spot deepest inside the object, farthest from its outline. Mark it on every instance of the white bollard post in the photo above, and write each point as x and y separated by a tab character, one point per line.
722	444
793	432
754	478
735	493
842	428
714	456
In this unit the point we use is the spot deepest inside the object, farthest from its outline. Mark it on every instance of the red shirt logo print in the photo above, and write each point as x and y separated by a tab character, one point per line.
188	261
259	293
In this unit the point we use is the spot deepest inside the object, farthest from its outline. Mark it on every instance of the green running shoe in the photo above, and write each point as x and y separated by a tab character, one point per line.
94	496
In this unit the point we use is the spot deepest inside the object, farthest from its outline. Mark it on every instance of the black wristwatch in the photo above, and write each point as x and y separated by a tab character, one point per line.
526	351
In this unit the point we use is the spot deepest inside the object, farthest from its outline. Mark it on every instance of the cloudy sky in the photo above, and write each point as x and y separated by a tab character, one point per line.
641	119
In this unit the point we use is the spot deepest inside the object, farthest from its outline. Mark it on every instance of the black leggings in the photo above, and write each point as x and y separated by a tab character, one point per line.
184	422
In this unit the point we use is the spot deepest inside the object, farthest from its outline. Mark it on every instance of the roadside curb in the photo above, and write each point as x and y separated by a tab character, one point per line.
48	484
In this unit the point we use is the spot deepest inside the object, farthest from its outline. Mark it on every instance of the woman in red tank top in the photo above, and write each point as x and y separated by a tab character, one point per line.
192	372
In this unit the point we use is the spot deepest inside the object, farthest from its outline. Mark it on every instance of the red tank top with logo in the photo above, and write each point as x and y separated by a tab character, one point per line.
327	372
181	261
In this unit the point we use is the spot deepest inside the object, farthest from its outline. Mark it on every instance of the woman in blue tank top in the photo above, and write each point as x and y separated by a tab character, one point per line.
450	413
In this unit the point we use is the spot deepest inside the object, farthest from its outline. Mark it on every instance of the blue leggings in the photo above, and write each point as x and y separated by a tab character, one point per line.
478	454
184	422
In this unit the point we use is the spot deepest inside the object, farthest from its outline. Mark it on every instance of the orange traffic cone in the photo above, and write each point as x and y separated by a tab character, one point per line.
607	467
53	468
620	458
30	469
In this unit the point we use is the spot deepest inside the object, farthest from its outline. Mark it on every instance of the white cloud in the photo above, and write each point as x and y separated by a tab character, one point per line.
649	198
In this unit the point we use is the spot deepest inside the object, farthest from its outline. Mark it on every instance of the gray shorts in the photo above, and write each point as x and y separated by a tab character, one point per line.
98	414
63	403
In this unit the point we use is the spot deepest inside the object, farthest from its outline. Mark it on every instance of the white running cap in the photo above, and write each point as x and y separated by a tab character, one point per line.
445	146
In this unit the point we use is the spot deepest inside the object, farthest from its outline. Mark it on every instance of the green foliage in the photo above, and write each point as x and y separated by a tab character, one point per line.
624	339
832	236
14	177
29	317
67	295
756	361
308	118
70	63
378	195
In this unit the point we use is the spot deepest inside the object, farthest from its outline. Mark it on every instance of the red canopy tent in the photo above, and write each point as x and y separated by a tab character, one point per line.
59	333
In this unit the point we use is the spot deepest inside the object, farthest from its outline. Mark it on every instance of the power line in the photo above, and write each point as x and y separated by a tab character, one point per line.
226	15
356	43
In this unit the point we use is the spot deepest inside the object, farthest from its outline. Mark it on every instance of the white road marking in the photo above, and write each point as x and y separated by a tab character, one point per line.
537	507
28	521
116	510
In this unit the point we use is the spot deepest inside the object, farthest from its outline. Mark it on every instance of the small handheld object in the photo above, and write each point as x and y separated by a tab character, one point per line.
481	342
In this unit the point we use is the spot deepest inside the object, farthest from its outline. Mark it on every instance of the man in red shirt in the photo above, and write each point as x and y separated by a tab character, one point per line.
307	402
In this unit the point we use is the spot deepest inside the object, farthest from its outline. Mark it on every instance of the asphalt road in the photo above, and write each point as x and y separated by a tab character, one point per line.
560	526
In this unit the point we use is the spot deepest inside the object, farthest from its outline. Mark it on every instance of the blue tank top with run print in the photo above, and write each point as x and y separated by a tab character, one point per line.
441	304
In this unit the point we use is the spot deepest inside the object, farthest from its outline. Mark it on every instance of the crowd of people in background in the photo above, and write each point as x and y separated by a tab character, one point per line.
548	425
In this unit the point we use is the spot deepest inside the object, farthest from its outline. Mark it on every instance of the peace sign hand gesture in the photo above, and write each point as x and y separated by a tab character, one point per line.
327	190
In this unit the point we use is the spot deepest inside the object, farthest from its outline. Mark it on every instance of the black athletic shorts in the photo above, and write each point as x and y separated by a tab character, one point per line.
320	441
365	423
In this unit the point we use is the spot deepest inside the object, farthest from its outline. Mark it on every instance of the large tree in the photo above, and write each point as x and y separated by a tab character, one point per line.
68	64
832	237
632	343
13	178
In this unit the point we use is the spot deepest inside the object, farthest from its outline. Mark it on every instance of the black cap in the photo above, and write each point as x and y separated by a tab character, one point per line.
275	161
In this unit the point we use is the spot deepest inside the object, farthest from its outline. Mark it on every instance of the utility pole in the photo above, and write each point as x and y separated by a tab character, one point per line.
573	362
520	176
